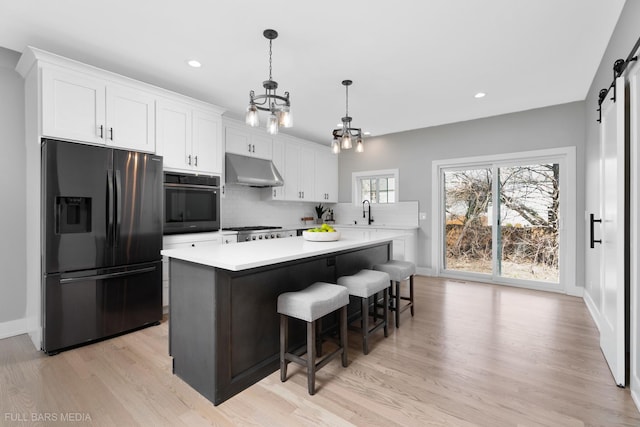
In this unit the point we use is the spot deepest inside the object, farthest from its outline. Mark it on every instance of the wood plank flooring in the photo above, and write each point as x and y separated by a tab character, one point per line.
473	355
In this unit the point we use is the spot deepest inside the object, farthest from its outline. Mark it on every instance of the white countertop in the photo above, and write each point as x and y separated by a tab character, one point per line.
246	255
378	226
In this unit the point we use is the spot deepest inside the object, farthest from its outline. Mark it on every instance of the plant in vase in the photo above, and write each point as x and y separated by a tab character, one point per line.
320	210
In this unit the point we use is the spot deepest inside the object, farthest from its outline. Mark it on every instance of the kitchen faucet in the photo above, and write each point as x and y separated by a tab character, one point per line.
370	220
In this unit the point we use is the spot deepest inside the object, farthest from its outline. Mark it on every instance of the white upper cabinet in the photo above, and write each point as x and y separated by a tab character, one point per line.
207	141
247	142
189	138
278	193
326	177
309	170
85	104
84	108
299	172
73	106
130	118
292	172
174	135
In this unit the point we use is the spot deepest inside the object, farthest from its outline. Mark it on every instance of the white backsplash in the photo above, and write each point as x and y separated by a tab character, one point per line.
244	206
401	213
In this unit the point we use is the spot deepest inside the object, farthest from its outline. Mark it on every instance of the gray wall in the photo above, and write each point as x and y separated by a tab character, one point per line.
413	152
13	292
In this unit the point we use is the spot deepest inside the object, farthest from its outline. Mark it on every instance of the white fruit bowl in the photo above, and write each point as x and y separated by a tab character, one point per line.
319	236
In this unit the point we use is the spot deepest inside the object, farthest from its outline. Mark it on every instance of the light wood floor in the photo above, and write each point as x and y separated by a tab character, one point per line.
473	355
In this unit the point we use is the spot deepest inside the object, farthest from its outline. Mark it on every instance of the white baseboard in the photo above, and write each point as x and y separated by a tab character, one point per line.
13	328
636	398
424	271
593	310
575	291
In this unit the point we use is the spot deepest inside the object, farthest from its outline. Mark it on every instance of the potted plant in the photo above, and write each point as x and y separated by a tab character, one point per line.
320	210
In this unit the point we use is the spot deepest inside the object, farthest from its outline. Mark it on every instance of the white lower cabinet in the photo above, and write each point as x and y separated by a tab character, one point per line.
178	241
404	245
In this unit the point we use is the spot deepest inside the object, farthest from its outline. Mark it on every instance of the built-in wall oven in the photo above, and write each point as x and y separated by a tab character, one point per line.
191	203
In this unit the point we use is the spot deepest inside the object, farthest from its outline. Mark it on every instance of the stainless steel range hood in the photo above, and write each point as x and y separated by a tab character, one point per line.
251	171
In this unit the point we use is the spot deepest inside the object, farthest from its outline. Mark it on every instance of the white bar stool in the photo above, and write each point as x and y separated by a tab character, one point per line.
364	284
310	305
399	271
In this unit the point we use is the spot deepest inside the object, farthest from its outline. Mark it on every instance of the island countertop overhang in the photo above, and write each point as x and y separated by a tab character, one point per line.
244	256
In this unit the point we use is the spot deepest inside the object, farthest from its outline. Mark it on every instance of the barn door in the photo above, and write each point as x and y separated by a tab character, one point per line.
609	230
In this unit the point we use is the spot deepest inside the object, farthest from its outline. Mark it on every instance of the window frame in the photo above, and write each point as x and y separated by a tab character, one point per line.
356	183
566	157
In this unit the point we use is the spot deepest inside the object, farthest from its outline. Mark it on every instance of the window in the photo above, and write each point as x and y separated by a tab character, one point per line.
375	186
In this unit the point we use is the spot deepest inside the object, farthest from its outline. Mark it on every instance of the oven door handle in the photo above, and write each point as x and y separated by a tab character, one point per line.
199	187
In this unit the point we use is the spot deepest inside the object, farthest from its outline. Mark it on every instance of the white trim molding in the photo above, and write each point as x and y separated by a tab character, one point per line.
13	328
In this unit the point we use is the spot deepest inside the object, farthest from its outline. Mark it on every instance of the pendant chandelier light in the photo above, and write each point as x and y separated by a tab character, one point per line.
278	106
343	136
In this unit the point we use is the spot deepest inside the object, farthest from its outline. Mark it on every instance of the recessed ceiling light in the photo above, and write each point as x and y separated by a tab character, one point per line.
366	133
480	95
193	63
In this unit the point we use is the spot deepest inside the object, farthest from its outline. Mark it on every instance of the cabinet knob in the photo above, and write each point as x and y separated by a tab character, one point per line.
189	161
111	133
196	161
249	147
101	132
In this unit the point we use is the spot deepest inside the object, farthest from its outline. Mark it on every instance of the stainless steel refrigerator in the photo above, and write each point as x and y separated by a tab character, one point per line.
102	223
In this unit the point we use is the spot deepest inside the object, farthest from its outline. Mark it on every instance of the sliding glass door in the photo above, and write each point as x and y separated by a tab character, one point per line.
468	237
500	220
528	205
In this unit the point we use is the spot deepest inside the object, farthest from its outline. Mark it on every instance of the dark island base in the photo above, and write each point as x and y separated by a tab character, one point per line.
224	325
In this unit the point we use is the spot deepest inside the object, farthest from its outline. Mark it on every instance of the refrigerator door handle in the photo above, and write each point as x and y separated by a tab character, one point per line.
110	207
107	275
118	208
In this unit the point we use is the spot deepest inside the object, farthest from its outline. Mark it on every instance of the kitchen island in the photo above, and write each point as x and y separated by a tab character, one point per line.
223	321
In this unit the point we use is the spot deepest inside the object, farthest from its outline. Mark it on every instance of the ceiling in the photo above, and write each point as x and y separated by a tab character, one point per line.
414	63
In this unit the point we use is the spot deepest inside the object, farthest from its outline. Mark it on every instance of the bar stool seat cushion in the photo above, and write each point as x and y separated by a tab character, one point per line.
313	302
397	270
365	283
